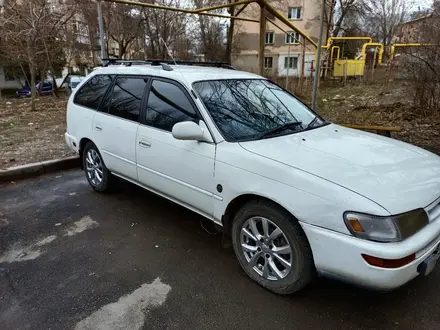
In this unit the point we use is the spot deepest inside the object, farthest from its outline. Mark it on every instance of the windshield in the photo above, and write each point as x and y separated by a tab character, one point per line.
251	109
74	83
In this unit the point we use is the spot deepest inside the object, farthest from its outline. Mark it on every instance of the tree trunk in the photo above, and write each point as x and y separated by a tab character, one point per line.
33	83
122	49
204	37
54	83
42	79
228	54
338	24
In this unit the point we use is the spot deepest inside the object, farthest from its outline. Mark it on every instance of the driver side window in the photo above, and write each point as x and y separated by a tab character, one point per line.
168	105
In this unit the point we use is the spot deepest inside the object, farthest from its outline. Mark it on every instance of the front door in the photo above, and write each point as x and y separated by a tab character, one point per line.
115	126
181	170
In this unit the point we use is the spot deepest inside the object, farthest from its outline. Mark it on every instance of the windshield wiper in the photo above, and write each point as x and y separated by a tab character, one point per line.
312	123
293	124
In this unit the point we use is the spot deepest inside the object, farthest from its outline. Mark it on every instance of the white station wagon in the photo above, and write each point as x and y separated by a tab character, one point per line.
299	196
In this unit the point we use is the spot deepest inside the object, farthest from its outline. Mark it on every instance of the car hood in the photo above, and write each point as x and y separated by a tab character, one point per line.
396	175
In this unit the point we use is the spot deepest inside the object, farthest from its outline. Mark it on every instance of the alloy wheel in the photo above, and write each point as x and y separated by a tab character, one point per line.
266	248
94	167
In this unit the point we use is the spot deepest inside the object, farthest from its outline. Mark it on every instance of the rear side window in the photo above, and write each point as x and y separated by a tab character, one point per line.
90	95
168	105
126	98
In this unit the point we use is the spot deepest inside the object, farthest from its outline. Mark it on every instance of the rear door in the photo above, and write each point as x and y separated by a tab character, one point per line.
182	170
116	124
86	102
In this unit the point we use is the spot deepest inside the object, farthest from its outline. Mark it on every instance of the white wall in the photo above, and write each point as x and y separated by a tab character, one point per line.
309	57
8	84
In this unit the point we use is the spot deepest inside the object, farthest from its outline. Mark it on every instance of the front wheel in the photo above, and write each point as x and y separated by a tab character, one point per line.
98	176
272	248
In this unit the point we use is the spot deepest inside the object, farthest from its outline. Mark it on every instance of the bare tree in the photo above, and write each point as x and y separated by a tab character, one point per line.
32	36
124	25
169	26
212	36
421	65
343	13
383	17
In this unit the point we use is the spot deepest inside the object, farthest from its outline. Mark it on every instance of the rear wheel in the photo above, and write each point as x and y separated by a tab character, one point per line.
272	248
97	174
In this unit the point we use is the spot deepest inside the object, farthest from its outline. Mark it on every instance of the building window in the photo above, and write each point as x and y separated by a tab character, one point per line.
115	51
294	13
270	36
268	61
81	32
291	62
292	38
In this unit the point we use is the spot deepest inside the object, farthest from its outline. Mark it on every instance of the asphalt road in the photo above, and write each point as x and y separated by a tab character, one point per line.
72	258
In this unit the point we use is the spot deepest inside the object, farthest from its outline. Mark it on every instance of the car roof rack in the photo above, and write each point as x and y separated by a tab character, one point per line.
164	63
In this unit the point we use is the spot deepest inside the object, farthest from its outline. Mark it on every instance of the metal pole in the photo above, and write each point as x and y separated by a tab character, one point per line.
262	38
101	31
288	64
318	62
345	72
374	64
303	64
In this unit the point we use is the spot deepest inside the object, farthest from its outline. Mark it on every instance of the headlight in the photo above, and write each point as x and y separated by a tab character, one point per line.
385	229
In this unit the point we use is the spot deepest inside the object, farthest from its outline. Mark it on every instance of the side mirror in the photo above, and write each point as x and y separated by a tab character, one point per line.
188	130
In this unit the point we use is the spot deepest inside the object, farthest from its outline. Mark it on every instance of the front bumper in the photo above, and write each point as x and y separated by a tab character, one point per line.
340	256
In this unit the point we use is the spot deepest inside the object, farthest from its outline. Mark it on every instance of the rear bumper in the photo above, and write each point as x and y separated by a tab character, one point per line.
71	142
340	256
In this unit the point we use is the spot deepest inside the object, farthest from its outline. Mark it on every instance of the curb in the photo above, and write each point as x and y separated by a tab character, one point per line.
36	169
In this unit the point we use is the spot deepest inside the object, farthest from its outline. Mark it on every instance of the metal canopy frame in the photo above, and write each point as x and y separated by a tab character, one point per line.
204	11
264	7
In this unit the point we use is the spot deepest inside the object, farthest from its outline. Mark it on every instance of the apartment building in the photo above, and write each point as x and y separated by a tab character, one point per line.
283	52
411	31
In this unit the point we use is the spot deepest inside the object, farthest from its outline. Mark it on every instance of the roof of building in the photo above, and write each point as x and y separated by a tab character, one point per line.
183	73
421	18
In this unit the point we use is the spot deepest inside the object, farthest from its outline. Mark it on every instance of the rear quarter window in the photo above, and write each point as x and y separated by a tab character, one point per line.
92	92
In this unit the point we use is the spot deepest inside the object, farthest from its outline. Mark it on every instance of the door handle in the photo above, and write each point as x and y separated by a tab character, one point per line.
98	128
144	144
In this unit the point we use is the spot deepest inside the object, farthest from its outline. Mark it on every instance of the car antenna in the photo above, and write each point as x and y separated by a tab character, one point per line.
172	57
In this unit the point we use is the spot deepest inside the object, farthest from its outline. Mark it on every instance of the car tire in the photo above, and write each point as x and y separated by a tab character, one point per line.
97	174
260	263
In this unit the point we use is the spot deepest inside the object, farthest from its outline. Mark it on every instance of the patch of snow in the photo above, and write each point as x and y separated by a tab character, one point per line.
129	312
81	225
46	240
18	253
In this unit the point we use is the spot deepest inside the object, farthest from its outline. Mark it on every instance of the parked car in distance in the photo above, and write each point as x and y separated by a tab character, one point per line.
298	196
46	89
73	82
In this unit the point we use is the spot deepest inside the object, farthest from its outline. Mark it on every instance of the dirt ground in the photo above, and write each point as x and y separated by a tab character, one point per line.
29	136
384	105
